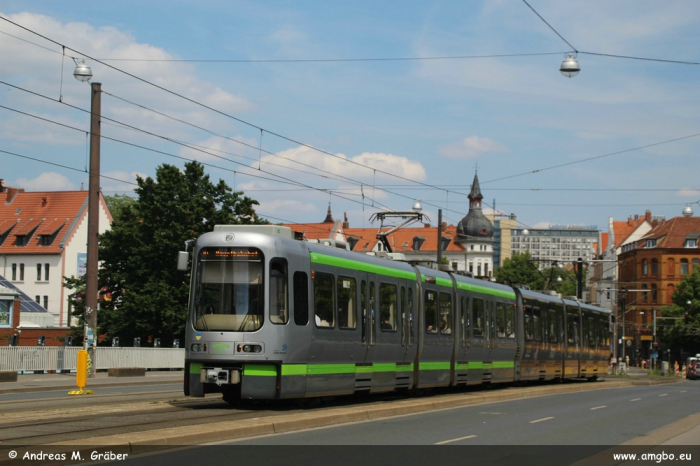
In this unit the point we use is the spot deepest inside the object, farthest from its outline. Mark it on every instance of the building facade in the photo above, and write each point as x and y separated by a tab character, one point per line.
43	237
650	270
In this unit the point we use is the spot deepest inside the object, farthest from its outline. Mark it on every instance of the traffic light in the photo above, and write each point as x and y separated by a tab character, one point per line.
687	317
656	346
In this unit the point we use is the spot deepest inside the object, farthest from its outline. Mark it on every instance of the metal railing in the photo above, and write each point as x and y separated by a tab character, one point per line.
62	358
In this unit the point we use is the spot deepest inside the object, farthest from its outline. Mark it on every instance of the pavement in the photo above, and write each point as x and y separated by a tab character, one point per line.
67	381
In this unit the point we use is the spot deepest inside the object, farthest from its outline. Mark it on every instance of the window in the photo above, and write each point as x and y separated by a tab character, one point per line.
691	243
347	297
46	272
38	272
537	323
445	313
696	264
279	291
46	303
301	298
14	272
570	337
363	304
552	327
645	267
410	316
387	307
324	300
372	314
654	266
592	332
21	272
478	318
651	243
654	293
510	321
684	266
465	317
404	317
5	313
500	320
430	311
37	298
645	293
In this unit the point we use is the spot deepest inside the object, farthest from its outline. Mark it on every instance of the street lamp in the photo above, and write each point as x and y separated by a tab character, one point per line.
83	73
569	67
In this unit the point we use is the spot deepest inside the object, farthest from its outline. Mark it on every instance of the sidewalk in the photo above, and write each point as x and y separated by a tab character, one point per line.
66	381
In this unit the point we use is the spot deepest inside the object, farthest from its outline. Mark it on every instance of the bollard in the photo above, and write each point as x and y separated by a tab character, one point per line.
81	375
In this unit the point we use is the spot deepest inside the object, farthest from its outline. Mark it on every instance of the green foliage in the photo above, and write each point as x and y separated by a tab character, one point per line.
520	270
76	300
675	333
118	203
146	296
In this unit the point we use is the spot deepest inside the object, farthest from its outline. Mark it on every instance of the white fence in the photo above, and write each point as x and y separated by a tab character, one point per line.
55	358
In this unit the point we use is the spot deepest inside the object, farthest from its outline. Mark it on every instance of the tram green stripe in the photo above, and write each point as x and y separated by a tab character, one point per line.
260	370
483	365
485	290
438	281
503	365
195	367
434	366
323	259
330	369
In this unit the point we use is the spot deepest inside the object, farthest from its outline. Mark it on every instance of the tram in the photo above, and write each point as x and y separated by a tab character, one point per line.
274	317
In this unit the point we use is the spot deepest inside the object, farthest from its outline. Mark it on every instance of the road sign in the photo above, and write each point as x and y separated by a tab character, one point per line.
655	355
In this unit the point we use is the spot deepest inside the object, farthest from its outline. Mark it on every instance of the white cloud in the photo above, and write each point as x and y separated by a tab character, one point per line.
470	147
47	181
119	181
689	193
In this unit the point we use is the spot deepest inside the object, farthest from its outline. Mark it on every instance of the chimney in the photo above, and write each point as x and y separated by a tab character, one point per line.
647	215
12	192
444	226
629	220
346	224
44	201
426	225
2	186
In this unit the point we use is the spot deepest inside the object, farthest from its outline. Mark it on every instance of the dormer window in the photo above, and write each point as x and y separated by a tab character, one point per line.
691	243
418	242
651	243
22	240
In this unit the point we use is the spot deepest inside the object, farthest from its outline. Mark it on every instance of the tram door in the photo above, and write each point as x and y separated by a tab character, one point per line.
479	359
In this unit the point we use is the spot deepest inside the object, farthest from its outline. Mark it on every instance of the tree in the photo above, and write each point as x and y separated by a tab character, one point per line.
675	333
142	292
520	270
118	203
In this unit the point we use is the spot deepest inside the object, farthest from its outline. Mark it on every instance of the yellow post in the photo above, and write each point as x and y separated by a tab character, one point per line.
81	375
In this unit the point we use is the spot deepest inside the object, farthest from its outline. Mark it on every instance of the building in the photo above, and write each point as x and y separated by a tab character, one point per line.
558	243
653	266
43	237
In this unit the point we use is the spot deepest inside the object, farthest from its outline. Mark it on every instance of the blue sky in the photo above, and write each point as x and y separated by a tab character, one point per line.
397	130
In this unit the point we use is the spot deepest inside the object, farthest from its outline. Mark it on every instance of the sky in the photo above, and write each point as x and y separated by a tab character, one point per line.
306	104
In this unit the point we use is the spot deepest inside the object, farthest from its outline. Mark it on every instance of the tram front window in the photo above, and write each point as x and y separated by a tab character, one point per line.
229	290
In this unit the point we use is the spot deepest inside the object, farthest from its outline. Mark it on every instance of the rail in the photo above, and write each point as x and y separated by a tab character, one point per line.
63	358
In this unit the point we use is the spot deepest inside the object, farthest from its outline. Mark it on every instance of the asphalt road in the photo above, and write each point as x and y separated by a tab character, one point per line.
600	417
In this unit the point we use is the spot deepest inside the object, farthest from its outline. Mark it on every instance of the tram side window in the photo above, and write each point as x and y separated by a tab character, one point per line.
410	316
363	304
510	321
528	324
592	333
301	298
478	318
431	311
324	300
445	313
404	321
347	295
465	317
570	329
604	327
500	320
279	291
537	323
552	323
387	307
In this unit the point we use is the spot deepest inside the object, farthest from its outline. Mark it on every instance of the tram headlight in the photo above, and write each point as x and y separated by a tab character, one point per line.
249	348
198	347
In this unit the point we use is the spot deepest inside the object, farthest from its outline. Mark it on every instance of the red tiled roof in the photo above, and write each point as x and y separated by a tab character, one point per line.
603	242
402	240
624	228
672	234
312	230
48	210
6	225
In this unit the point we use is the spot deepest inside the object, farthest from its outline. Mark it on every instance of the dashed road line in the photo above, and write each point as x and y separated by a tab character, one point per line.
598	407
636	399
543	419
664	394
455	440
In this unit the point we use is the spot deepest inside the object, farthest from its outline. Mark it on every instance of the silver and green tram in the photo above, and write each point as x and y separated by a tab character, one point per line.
273	317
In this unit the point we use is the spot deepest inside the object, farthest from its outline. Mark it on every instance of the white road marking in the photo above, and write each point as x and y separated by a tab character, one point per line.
455	440
540	420
636	399
683	391
598	407
664	394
